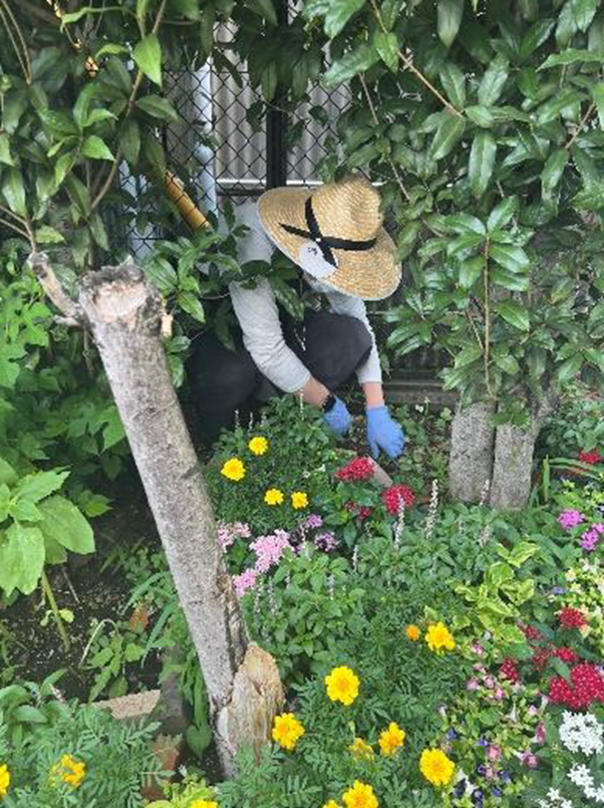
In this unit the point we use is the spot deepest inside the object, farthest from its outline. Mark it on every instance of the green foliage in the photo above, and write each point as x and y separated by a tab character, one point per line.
38	728
109	657
183	795
488	151
305	609
37	527
497	602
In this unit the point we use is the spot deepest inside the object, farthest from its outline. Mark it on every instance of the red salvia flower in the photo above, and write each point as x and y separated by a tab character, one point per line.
509	670
586	686
592	458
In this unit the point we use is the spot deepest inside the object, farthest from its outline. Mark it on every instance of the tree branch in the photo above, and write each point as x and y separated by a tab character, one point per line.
72	312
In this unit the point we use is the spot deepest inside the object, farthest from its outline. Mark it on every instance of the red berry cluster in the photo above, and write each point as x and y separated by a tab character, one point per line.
592	458
572	618
586	686
357	470
392	497
509	670
362	511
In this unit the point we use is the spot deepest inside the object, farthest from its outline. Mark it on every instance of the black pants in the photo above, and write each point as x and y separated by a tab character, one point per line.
224	381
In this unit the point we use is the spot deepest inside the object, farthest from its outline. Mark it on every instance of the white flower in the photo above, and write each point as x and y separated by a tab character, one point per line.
582	732
580	775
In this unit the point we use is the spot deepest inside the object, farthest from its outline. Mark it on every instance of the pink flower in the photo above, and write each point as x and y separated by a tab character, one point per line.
499	693
592	536
530	760
570	518
540	733
490	682
269	549
478	649
245	581
494	753
473	684
228	532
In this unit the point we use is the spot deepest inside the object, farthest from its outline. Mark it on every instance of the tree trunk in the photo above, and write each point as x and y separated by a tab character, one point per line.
125	316
471	458
513	463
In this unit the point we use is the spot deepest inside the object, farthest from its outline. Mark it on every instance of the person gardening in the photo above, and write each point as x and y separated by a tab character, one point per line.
335	235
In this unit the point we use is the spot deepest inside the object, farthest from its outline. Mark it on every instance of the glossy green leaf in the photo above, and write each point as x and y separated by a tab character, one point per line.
351	64
509	364
513	282
482	162
535	37
64	523
5	155
96	149
509	256
130	141
465	224
502	214
13	191
572	56
514	313
454	84
591	198
447	136
553	170
569	368
387	47
148	57
552	108
469	355
493	81
21	559
8	476
191	304
157	107
449	16
583	12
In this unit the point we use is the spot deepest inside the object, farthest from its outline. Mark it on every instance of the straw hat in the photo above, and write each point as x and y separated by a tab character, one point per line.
335	234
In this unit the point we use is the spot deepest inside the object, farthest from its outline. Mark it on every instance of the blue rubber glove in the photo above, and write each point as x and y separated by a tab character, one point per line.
384	433
338	418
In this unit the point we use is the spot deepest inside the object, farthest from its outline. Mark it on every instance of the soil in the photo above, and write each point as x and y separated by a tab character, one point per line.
92	587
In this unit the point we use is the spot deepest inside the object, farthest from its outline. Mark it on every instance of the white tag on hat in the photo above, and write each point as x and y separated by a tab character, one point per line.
312	260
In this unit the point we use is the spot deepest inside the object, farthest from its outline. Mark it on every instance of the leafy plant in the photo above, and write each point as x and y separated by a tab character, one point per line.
110	656
108	762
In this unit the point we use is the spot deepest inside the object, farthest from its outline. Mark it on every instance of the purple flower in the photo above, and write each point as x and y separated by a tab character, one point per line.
530	760
245	581
478	649
229	531
473	684
451	735
312	522
497	792
483	742
490	682
477	797
592	536
481	770
460	788
326	541
540	733
559	590
505	776
570	518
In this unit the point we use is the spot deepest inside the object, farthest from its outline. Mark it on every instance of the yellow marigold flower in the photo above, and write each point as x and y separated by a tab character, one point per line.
436	767
203	804
70	771
392	739
4	780
258	445
440	638
342	685
361	750
287	730
331	804
413	633
299	500
233	469
360	796
273	496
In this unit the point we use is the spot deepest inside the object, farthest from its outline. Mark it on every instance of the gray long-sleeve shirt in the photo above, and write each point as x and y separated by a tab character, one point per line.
258	316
